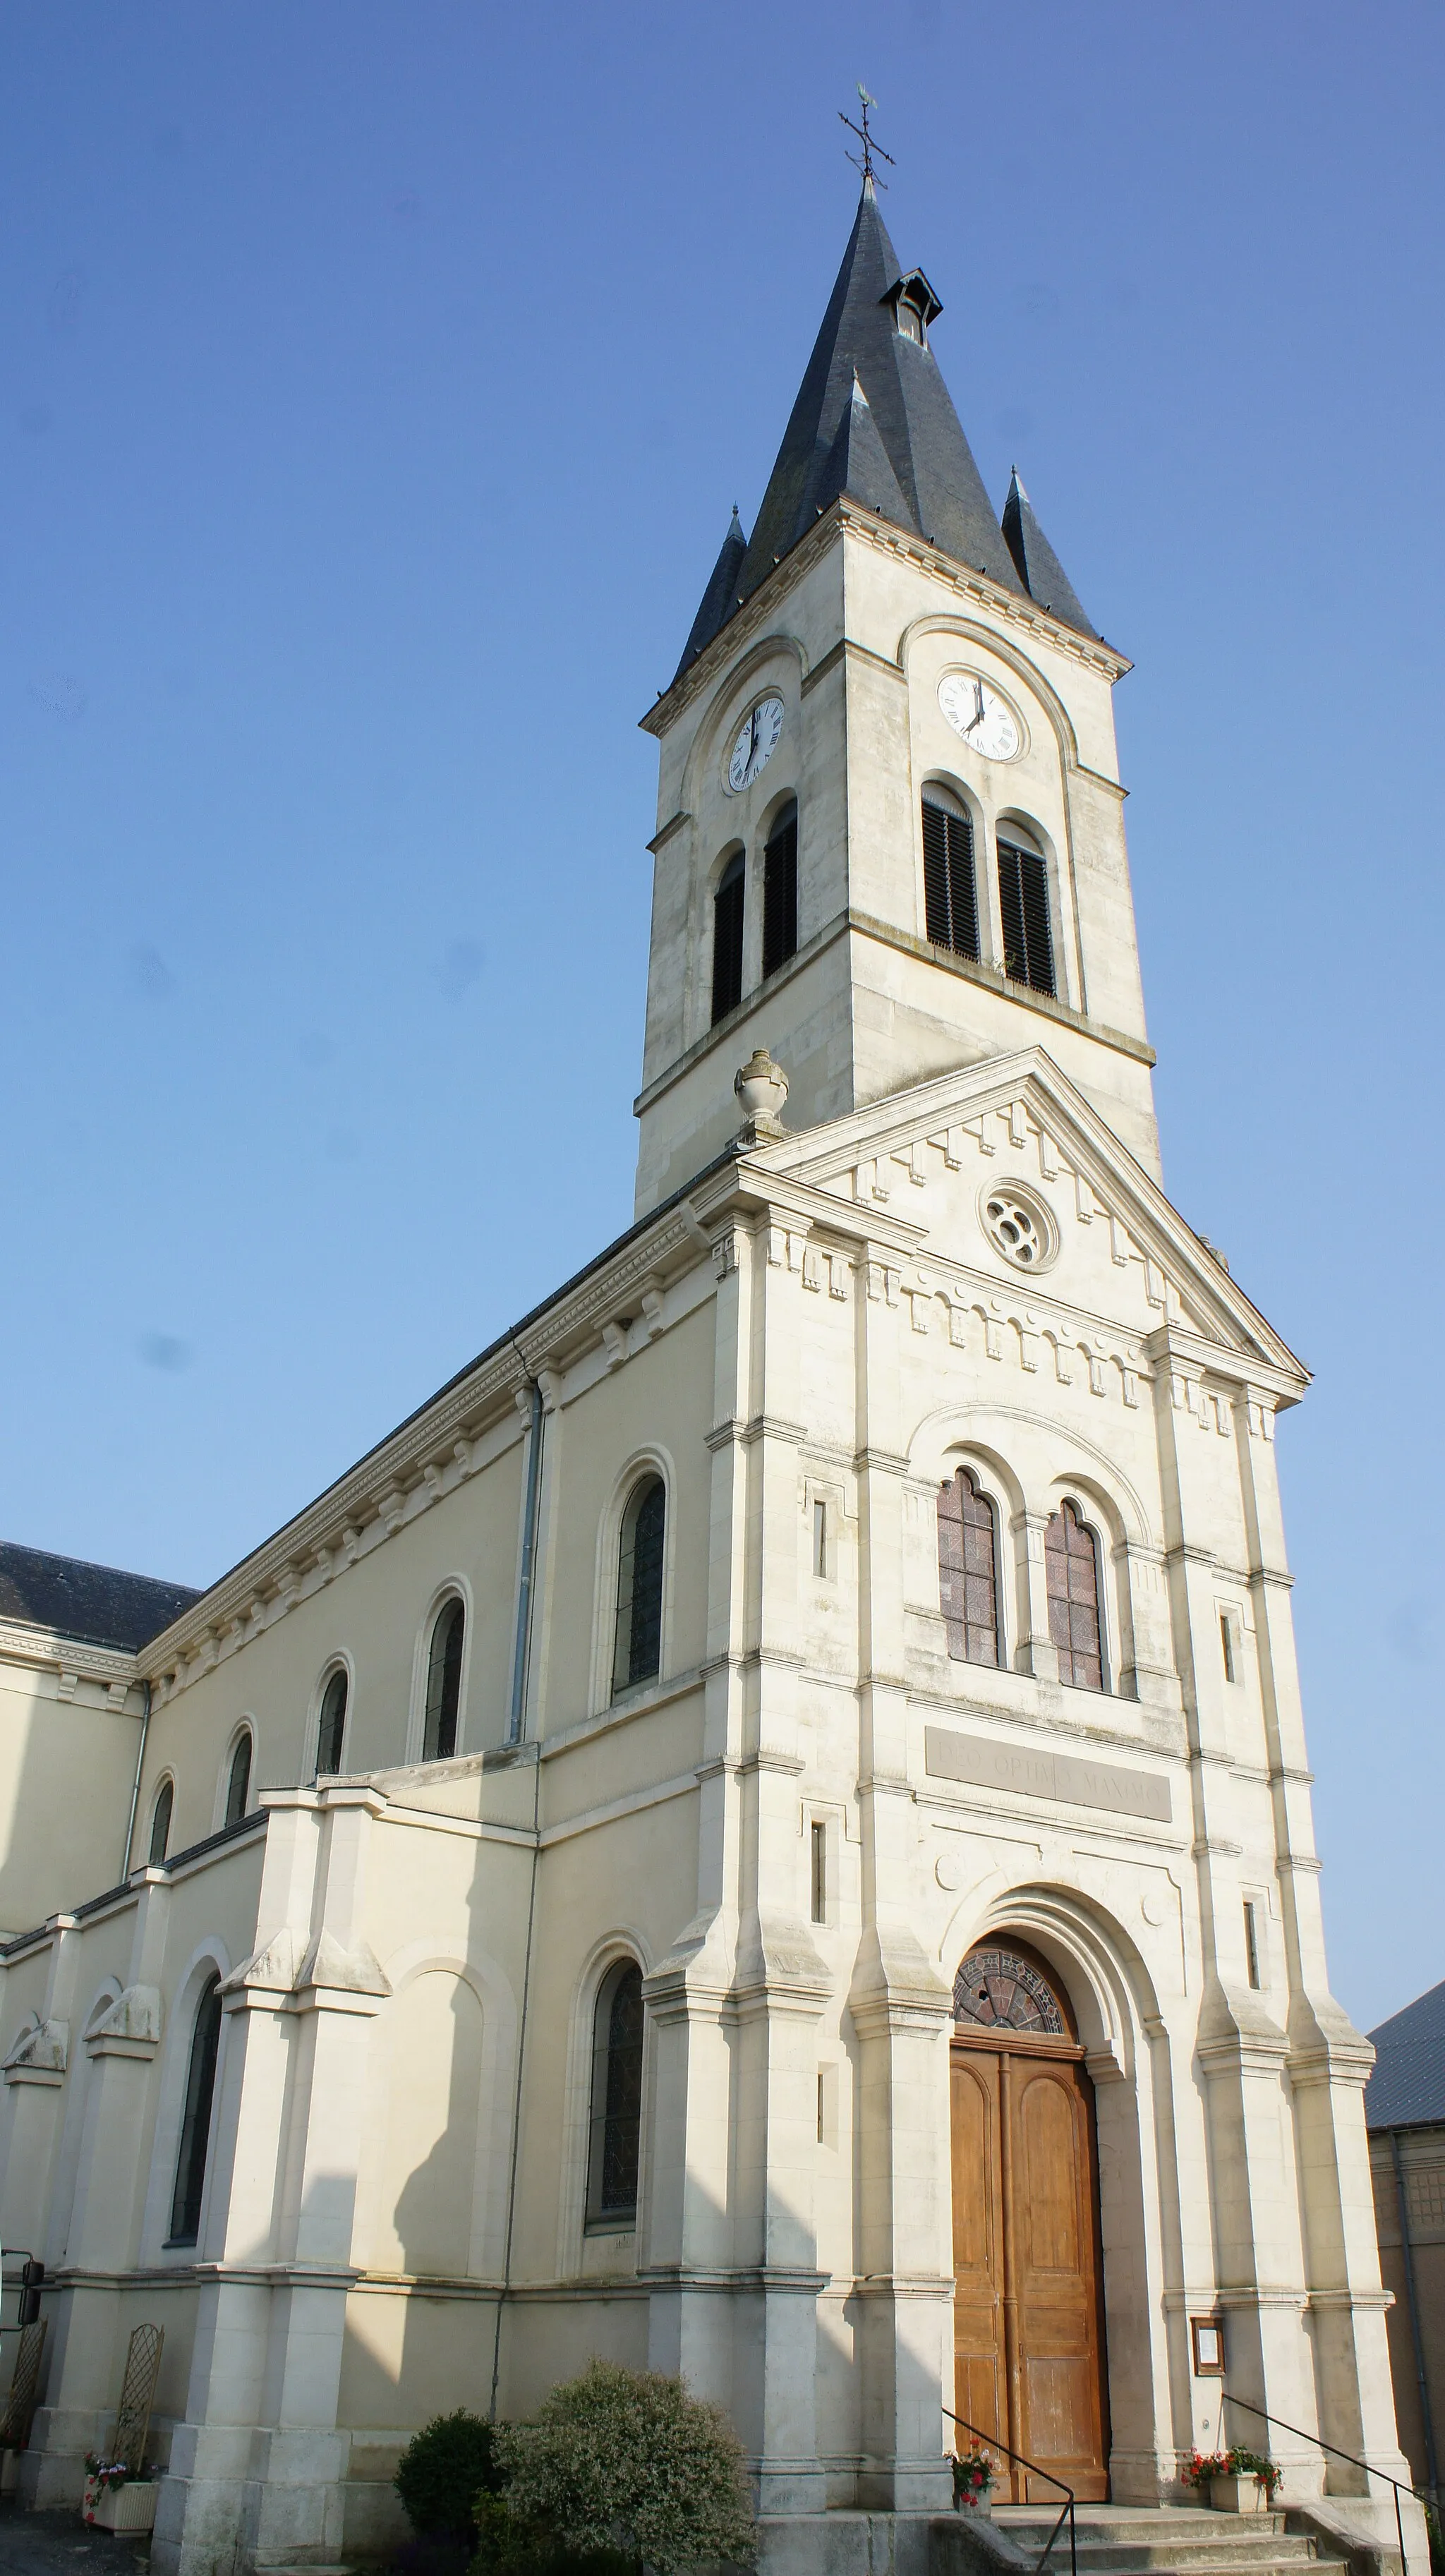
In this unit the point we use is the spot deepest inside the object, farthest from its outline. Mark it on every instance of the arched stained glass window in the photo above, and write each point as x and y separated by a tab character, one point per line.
637	1652
1071	1560
196	2117
780	892
727	937
616	2122
161	1814
949	895
968	1570
238	1782
996	1989
331	1727
444	1683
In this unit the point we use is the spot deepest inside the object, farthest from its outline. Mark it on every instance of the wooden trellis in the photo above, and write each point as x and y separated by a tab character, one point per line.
137	2394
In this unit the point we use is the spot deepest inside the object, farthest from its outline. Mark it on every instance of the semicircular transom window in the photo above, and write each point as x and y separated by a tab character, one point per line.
1019	1230
997	1990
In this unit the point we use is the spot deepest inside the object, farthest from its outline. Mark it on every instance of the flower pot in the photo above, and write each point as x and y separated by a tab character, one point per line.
128	2508
87	2501
1237	2495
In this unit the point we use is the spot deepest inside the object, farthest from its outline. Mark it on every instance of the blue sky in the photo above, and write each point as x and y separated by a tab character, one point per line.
379	380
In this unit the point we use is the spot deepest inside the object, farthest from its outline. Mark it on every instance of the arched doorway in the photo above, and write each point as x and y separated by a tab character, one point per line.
1027	2268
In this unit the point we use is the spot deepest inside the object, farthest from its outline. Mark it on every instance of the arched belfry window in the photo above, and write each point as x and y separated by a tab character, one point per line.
1071	1560
968	1570
637	1649
444	1683
238	1779
161	1814
1023	898
950	896
727	937
331	1726
615	2128
780	891
196	2117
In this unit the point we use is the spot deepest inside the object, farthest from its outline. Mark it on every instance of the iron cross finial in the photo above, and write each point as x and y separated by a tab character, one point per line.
871	151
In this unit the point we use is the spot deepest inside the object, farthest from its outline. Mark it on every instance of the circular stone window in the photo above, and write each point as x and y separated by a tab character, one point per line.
1019	1226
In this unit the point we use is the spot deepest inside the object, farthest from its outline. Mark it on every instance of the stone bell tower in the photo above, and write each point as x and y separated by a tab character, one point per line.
890	826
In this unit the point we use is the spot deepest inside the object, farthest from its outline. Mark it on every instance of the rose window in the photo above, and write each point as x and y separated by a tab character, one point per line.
1017	1229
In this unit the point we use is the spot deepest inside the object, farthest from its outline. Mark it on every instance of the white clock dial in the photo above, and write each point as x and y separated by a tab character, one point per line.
979	714
756	743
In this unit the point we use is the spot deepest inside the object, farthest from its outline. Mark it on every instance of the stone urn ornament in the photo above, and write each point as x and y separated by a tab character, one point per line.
761	1087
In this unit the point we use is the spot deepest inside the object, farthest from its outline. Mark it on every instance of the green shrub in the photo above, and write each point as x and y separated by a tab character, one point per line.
619	2465
443	2470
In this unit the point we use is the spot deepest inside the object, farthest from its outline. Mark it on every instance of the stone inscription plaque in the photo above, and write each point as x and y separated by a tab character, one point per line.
987	1765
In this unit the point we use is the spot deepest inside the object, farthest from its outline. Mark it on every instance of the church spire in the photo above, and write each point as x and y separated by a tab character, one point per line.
1039	568
721	595
874	336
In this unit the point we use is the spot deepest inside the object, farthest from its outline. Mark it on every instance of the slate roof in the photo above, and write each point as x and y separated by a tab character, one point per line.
1039	568
95	1604
908	459
1407	2087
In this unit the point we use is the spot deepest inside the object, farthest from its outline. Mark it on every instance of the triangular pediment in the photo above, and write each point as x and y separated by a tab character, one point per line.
937	1153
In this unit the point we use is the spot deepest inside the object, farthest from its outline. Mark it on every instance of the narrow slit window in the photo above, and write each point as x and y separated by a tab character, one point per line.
1226	1640
196	2118
637	1652
822	2097
780	892
968	1570
1071	1563
1023	895
727	938
820	1539
615	2140
238	1783
949	895
1251	1946
444	1684
161	1822
819	1840
331	1726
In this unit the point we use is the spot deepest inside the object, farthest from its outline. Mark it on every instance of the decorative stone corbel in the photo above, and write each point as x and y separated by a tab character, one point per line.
39	2056
131	2027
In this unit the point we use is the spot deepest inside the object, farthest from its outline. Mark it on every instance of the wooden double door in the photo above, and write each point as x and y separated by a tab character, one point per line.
1028	2309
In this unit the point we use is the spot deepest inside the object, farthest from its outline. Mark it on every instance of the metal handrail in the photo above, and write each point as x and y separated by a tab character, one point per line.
1336	2454
994	2444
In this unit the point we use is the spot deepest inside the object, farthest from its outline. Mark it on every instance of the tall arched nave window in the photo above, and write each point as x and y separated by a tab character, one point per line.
444	1683
615	2125
161	1814
968	1570
637	1648
1071	1560
196	2116
238	1779
331	1725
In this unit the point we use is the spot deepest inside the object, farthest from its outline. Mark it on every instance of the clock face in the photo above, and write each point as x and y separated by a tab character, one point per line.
756	743
979	715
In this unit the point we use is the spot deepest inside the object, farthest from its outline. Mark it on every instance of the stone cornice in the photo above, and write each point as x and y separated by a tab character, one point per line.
850	518
22	1644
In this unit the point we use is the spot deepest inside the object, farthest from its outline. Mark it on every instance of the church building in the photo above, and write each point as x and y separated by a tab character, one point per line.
765	1832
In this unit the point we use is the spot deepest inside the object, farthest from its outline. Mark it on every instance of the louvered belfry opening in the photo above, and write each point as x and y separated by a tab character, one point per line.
949	894
1071	1563
780	892
968	1570
727	938
1023	894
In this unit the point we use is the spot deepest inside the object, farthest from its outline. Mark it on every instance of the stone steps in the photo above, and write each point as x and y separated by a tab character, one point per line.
1112	2540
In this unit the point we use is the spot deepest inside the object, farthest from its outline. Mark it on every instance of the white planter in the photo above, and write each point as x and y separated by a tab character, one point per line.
128	2508
1237	2495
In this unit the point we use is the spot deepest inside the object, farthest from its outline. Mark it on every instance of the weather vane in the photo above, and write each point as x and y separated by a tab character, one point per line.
871	150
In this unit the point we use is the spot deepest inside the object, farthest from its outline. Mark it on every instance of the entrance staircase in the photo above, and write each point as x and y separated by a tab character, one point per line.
1167	2540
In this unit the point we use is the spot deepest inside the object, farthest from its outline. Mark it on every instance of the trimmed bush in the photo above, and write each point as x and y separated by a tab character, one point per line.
441	2473
620	2464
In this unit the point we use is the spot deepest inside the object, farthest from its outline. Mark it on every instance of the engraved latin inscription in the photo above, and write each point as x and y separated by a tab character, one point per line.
1064	1776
